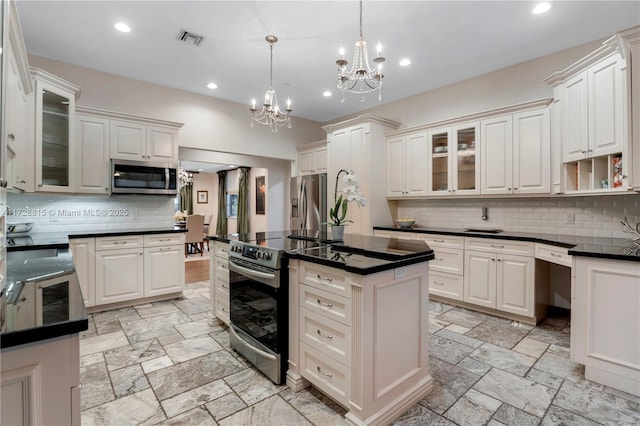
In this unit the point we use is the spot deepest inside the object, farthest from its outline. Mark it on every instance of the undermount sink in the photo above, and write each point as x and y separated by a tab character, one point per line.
484	230
21	256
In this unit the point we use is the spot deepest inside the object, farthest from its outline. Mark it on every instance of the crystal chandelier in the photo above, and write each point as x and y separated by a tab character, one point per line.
270	114
361	78
184	178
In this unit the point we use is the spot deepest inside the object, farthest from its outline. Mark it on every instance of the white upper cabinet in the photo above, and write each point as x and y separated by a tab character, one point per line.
92	156
360	145
594	111
312	158
133	140
516	152
55	132
453	160
406	171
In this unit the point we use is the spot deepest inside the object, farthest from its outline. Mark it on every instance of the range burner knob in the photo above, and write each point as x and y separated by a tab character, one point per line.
266	255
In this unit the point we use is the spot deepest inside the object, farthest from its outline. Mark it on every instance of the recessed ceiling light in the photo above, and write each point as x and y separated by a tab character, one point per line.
199	170
232	165
405	62
326	93
212	86
541	8
122	27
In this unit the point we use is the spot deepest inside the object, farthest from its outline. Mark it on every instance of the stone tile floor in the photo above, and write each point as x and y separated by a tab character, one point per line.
164	363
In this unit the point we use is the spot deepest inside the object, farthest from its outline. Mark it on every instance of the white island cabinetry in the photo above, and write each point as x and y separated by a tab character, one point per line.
342	328
605	321
219	273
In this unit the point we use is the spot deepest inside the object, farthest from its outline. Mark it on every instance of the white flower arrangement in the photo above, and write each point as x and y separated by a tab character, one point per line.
350	193
180	216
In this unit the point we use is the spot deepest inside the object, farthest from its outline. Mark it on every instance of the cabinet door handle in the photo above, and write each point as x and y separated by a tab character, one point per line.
499	260
321	303
22	181
11	136
555	254
326	336
438	241
437	282
321	372
320	277
439	259
119	242
496	246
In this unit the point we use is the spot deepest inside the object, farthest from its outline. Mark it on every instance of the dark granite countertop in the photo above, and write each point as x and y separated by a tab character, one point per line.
364	255
602	247
61	240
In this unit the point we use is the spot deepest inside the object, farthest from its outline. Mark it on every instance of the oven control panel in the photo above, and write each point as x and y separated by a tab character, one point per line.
265	256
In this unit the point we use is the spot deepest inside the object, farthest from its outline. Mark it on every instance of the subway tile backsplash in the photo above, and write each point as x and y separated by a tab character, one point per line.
593	216
68	214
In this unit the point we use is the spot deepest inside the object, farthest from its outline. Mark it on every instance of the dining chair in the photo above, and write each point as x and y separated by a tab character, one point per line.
207	228
194	236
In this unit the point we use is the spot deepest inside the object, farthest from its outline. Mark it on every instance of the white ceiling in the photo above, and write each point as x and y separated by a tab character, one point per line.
447	41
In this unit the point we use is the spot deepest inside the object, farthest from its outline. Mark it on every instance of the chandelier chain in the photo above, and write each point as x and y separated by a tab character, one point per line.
361	20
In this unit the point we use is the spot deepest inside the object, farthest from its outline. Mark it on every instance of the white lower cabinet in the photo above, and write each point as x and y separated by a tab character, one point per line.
219	273
605	321
500	281
41	383
121	269
447	267
119	275
83	251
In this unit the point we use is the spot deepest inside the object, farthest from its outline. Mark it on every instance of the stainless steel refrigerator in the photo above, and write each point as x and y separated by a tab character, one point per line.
308	202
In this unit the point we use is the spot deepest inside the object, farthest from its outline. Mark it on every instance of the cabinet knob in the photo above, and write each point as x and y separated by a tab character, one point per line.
508	189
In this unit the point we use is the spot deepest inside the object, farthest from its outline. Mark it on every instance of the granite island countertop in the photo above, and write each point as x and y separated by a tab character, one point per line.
602	247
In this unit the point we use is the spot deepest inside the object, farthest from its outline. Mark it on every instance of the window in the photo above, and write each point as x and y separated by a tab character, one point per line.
232	205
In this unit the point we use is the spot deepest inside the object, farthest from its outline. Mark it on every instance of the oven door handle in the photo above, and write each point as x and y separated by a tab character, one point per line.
250	272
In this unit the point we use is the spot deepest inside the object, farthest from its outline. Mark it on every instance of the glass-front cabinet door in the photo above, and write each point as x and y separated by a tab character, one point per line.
466	173
439	180
55	132
453	160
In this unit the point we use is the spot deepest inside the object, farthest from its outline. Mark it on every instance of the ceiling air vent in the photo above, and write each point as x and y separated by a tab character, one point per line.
190	38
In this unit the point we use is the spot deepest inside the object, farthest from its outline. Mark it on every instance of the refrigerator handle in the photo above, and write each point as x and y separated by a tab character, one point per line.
304	203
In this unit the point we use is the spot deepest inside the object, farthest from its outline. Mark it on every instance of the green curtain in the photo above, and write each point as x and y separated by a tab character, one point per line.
221	222
243	201
186	198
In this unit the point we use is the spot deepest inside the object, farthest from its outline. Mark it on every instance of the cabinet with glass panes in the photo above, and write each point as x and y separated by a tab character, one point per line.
55	131
453	160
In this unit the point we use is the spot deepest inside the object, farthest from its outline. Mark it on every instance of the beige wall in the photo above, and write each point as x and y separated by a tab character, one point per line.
508	86
209	123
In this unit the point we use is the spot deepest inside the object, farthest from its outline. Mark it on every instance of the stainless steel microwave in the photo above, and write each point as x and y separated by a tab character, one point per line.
141	177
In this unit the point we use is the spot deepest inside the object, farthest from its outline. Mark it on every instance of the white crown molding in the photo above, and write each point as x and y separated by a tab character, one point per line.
362	119
122	116
42	75
539	103
18	48
311	145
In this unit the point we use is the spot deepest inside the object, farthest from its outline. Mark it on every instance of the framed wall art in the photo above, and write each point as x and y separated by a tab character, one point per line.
261	195
203	197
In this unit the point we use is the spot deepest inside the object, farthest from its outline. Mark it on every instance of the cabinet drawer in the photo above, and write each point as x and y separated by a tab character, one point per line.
125	241
325	303
447	260
444	241
222	308
325	373
325	278
222	287
222	267
163	240
521	248
446	285
394	234
328	336
221	249
553	254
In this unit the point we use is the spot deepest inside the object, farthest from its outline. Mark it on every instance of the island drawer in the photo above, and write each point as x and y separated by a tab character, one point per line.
325	373
520	248
325	278
221	249
446	285
222	308
328	336
553	254
221	266
113	243
325	303
446	241
156	240
447	260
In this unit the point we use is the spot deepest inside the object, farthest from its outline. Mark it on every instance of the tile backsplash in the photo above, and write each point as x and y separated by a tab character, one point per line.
67	214
593	216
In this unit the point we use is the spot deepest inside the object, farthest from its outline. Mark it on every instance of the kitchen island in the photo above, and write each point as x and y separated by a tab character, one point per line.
359	325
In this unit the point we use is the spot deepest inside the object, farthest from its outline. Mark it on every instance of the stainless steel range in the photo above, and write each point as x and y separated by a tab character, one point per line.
258	305
258	282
